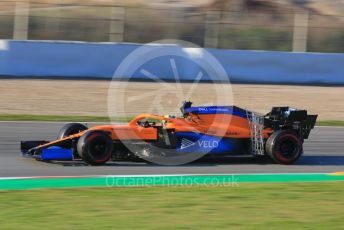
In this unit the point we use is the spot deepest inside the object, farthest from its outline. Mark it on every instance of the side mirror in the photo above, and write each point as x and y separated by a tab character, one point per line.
185	105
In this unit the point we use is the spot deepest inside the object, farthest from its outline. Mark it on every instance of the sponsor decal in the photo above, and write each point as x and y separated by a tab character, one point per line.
208	144
232	133
201	143
186	143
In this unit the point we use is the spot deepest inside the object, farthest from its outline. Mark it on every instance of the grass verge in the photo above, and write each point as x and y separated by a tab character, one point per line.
67	118
330	123
72	118
247	206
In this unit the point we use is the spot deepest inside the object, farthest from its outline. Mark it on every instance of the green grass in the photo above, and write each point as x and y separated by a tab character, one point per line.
248	206
72	118
330	123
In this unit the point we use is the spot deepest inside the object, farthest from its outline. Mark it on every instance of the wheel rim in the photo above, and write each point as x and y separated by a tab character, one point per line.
287	148
98	149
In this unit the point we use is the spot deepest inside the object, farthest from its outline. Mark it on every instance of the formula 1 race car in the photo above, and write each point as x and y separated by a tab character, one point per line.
220	130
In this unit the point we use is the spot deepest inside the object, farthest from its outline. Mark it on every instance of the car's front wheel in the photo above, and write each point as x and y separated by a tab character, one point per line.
284	146
70	128
95	147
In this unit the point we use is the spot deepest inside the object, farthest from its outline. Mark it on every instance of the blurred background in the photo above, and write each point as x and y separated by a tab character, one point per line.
99	34
276	25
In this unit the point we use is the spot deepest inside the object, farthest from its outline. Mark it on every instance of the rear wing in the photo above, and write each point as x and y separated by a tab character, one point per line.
290	118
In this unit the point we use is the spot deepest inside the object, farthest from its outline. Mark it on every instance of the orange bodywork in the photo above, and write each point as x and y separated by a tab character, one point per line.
222	125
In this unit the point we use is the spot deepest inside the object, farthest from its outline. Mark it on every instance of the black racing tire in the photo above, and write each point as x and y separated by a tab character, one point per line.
95	147
284	147
71	128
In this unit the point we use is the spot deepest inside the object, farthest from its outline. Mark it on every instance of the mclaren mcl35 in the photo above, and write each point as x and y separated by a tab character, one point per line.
202	130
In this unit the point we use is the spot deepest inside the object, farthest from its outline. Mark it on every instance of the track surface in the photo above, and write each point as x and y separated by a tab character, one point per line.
324	152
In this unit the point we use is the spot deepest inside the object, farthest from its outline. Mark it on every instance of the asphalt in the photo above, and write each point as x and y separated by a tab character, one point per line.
323	153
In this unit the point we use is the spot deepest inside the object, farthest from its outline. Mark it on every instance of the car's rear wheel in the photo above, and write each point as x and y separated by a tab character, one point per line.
95	147
70	129
284	146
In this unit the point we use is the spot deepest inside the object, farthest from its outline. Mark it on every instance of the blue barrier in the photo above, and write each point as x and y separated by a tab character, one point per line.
100	60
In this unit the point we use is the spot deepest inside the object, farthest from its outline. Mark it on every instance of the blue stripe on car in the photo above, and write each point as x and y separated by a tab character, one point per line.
217	110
